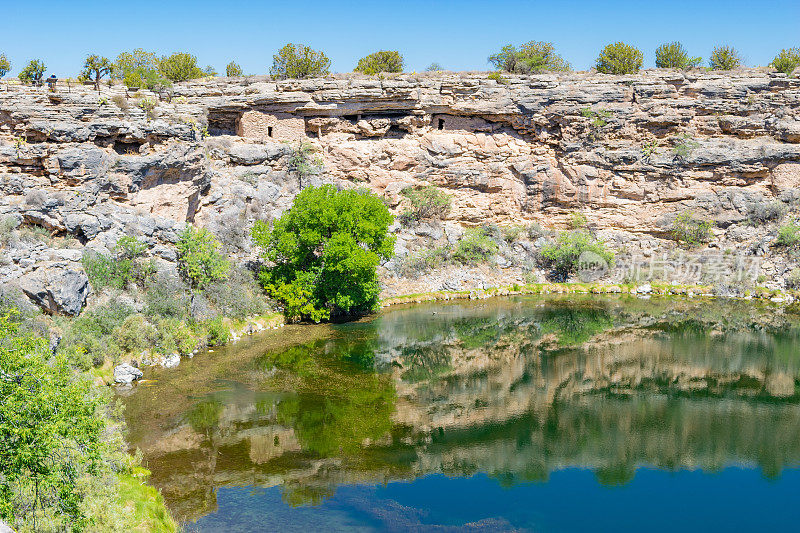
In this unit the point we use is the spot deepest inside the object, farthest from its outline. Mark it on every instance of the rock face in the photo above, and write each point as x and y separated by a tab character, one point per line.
58	292
630	152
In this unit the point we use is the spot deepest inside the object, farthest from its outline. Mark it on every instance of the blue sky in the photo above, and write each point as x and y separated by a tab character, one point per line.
459	35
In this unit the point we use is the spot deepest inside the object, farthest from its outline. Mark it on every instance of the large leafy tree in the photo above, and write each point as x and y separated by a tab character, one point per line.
531	57
50	432
299	61
382	61
95	67
324	251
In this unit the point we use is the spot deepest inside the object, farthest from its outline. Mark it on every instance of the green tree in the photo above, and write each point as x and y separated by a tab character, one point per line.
786	61
95	67
531	57
725	58
233	70
50	432
32	72
304	163
199	258
619	58
434	67
299	61
674	55
382	61
324	252
5	66
210	71
564	255
180	67
134	68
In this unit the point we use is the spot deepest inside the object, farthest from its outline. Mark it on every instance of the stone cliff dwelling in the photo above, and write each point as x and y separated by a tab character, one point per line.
263	126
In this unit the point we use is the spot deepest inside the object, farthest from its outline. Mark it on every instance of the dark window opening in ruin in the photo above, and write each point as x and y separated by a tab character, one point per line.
395	132
269	131
441	123
351	118
127	148
222	123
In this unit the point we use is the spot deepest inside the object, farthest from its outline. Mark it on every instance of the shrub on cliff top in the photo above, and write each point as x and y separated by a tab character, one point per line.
619	58
32	72
674	55
382	61
5	66
299	61
725	58
180	67
233	70
324	253
531	57
786	61
138	68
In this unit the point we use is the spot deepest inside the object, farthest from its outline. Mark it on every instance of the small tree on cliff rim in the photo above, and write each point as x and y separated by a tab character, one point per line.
95	68
5	66
531	57
32	72
674	55
382	61
233	70
324	252
299	61
725	58
619	58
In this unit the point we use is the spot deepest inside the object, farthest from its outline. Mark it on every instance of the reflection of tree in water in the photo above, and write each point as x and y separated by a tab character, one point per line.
298	495
339	403
204	416
575	325
423	362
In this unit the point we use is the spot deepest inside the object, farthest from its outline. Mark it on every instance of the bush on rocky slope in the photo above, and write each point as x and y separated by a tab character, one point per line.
564	256
427	202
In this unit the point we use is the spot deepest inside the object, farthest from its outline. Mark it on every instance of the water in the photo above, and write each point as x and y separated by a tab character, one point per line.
515	414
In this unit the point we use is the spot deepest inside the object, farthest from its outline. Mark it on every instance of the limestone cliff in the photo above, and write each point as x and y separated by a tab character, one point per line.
630	152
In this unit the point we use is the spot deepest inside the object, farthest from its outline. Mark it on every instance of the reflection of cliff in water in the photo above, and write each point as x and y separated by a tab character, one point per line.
513	388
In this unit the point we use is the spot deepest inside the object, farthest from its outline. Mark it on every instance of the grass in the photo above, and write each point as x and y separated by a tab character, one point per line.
149	510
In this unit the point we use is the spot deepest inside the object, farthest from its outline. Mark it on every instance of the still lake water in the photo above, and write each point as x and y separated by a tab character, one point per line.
508	414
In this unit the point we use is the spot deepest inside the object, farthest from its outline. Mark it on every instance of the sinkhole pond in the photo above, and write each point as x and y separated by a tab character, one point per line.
540	413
